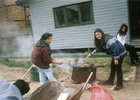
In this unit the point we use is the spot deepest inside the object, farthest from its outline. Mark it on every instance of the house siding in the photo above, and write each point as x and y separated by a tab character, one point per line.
108	15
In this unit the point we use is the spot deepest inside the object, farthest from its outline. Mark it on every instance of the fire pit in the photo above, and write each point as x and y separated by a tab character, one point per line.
80	75
81	71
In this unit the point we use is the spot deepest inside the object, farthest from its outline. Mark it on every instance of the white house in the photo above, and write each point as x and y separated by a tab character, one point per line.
72	22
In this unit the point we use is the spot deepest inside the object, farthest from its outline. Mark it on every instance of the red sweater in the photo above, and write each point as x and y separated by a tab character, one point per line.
41	55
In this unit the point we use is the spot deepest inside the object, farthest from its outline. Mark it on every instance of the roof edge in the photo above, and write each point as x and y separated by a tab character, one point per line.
22	3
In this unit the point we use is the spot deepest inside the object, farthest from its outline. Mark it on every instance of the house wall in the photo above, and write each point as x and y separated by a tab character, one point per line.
108	15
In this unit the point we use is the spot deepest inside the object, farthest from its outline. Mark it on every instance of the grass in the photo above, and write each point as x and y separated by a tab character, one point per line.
105	61
16	63
102	73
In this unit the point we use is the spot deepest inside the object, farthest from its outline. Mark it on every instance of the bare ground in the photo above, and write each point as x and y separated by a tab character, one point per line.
131	90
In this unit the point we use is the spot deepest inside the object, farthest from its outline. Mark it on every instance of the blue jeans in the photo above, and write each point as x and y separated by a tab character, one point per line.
43	73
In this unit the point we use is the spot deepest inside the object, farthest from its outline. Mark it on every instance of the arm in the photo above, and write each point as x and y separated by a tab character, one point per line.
89	55
56	62
115	52
47	57
93	52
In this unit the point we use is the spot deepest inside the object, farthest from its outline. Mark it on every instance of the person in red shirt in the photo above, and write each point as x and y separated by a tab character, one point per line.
41	57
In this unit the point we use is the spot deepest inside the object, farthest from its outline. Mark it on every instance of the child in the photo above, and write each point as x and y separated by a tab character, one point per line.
41	57
111	45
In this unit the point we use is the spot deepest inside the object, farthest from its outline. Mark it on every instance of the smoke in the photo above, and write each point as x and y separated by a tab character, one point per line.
25	45
68	60
66	63
14	37
14	34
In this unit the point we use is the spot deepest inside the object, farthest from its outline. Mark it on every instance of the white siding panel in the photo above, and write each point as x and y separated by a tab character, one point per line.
108	15
57	3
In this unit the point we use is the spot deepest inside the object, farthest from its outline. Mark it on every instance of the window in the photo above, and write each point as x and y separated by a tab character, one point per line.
76	14
72	15
60	18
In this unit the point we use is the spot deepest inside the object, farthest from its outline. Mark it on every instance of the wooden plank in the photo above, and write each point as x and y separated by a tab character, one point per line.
63	96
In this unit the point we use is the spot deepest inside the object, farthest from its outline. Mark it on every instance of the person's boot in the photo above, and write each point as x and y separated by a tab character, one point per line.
117	87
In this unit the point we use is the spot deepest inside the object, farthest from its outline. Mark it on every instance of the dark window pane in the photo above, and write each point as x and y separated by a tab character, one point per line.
72	15
85	12
60	18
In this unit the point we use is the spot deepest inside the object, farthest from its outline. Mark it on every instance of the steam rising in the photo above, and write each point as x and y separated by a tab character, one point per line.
14	37
66	65
25	45
68	62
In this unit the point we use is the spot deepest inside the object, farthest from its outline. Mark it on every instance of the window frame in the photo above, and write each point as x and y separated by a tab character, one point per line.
79	17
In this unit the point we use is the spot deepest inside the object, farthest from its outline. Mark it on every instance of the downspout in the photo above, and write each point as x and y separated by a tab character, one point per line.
28	17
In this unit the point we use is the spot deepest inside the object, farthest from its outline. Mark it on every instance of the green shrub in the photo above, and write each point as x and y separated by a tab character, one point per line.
106	61
14	63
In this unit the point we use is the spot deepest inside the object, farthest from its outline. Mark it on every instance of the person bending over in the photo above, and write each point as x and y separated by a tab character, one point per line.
110	45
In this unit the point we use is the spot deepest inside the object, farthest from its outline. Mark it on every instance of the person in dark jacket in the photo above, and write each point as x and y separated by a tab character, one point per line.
110	45
13	91
41	57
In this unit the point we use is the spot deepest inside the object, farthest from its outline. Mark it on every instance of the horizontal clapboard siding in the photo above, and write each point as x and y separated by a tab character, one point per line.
108	15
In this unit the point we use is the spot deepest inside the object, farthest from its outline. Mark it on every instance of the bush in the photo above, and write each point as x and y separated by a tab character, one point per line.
14	63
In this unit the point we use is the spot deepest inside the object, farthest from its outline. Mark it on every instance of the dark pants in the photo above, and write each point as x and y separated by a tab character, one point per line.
117	68
132	53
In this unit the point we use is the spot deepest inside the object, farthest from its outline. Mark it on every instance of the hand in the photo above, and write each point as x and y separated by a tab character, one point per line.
60	63
89	55
116	62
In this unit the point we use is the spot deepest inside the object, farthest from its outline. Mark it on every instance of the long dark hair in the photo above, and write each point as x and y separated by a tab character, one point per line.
120	32
99	43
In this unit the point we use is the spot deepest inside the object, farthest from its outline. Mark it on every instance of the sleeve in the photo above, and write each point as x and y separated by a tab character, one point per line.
46	53
114	48
98	50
